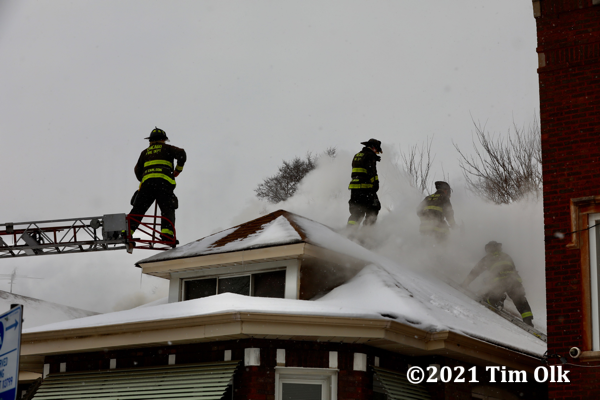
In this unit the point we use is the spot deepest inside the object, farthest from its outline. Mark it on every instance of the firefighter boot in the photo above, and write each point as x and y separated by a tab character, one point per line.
497	302
528	321
500	303
170	240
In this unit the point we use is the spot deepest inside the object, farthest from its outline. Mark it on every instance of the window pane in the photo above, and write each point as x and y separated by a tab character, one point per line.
301	391
594	251
238	284
270	284
200	288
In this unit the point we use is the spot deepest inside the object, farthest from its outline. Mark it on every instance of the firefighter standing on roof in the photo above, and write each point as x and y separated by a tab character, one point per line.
436	213
156	171
364	202
503	280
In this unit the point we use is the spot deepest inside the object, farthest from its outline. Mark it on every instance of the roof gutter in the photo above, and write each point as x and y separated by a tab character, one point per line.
380	333
164	268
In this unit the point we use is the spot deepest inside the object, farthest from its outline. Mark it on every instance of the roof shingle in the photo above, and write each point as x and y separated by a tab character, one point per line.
249	228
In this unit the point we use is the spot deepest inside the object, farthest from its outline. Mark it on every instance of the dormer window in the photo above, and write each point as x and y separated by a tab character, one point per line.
271	256
264	284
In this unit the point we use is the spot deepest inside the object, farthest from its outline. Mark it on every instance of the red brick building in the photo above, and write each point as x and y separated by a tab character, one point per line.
569	76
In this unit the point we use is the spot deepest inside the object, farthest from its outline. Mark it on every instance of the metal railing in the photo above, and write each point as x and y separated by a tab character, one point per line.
80	235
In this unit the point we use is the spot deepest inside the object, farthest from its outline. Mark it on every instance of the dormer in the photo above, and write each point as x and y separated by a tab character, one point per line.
277	255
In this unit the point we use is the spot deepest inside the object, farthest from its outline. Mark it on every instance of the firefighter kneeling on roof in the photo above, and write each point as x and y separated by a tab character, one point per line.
156	171
364	202
503	280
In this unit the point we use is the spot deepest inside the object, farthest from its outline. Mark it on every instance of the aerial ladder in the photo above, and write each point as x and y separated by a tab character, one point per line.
82	235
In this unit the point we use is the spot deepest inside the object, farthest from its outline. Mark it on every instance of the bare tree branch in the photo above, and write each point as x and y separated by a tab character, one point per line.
504	170
284	183
417	164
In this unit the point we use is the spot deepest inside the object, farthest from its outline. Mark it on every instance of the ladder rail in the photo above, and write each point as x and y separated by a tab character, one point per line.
81	235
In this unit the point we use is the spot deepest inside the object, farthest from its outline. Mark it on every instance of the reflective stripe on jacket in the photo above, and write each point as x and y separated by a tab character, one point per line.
499	264
157	162
434	211
364	170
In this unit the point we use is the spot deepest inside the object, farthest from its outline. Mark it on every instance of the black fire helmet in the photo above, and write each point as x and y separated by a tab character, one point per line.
493	246
441	185
373	143
157	134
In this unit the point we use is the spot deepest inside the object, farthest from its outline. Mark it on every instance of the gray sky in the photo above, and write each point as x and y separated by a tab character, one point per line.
240	85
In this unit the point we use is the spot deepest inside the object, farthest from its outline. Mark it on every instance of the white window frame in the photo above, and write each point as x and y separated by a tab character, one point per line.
219	277
327	378
594	238
291	267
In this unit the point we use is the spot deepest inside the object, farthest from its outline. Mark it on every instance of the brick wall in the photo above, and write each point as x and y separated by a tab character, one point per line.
569	76
258	382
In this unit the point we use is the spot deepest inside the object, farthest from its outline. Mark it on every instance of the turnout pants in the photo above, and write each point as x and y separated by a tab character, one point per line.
363	204
435	228
512	286
162	191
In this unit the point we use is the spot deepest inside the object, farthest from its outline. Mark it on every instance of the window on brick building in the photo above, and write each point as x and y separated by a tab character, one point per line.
585	237
305	384
301	391
594	245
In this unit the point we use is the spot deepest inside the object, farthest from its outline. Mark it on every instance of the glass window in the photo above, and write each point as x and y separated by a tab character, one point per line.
236	284
270	284
198	288
301	391
262	284
594	239
305	383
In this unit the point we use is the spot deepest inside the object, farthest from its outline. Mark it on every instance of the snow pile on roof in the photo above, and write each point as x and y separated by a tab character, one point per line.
39	312
420	299
271	230
276	232
383	289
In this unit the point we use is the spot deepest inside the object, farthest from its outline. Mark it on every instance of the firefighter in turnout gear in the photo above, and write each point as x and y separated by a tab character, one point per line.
503	280
436	213
156	171
364	202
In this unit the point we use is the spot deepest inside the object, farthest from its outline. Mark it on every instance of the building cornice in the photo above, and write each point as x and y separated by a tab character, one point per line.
380	333
163	269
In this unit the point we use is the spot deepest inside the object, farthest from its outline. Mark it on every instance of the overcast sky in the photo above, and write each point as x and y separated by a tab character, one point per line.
240	85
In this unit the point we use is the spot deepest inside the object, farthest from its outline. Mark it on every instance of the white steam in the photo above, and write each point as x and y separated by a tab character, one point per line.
323	196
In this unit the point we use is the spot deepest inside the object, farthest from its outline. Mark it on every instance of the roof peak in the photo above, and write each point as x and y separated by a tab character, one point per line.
251	227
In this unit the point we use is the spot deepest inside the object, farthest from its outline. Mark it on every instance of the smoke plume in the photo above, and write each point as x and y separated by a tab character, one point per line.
323	196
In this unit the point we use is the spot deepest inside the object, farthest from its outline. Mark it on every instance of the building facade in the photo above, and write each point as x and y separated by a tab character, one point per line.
569	78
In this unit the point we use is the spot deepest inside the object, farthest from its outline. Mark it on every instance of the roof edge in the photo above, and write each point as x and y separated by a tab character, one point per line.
163	268
381	333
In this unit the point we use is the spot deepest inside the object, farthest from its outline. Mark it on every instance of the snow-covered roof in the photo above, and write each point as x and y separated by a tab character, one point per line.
384	289
274	229
38	312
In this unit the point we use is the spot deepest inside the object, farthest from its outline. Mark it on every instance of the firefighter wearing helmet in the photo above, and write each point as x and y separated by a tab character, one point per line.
503	279
436	213
156	170
364	203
